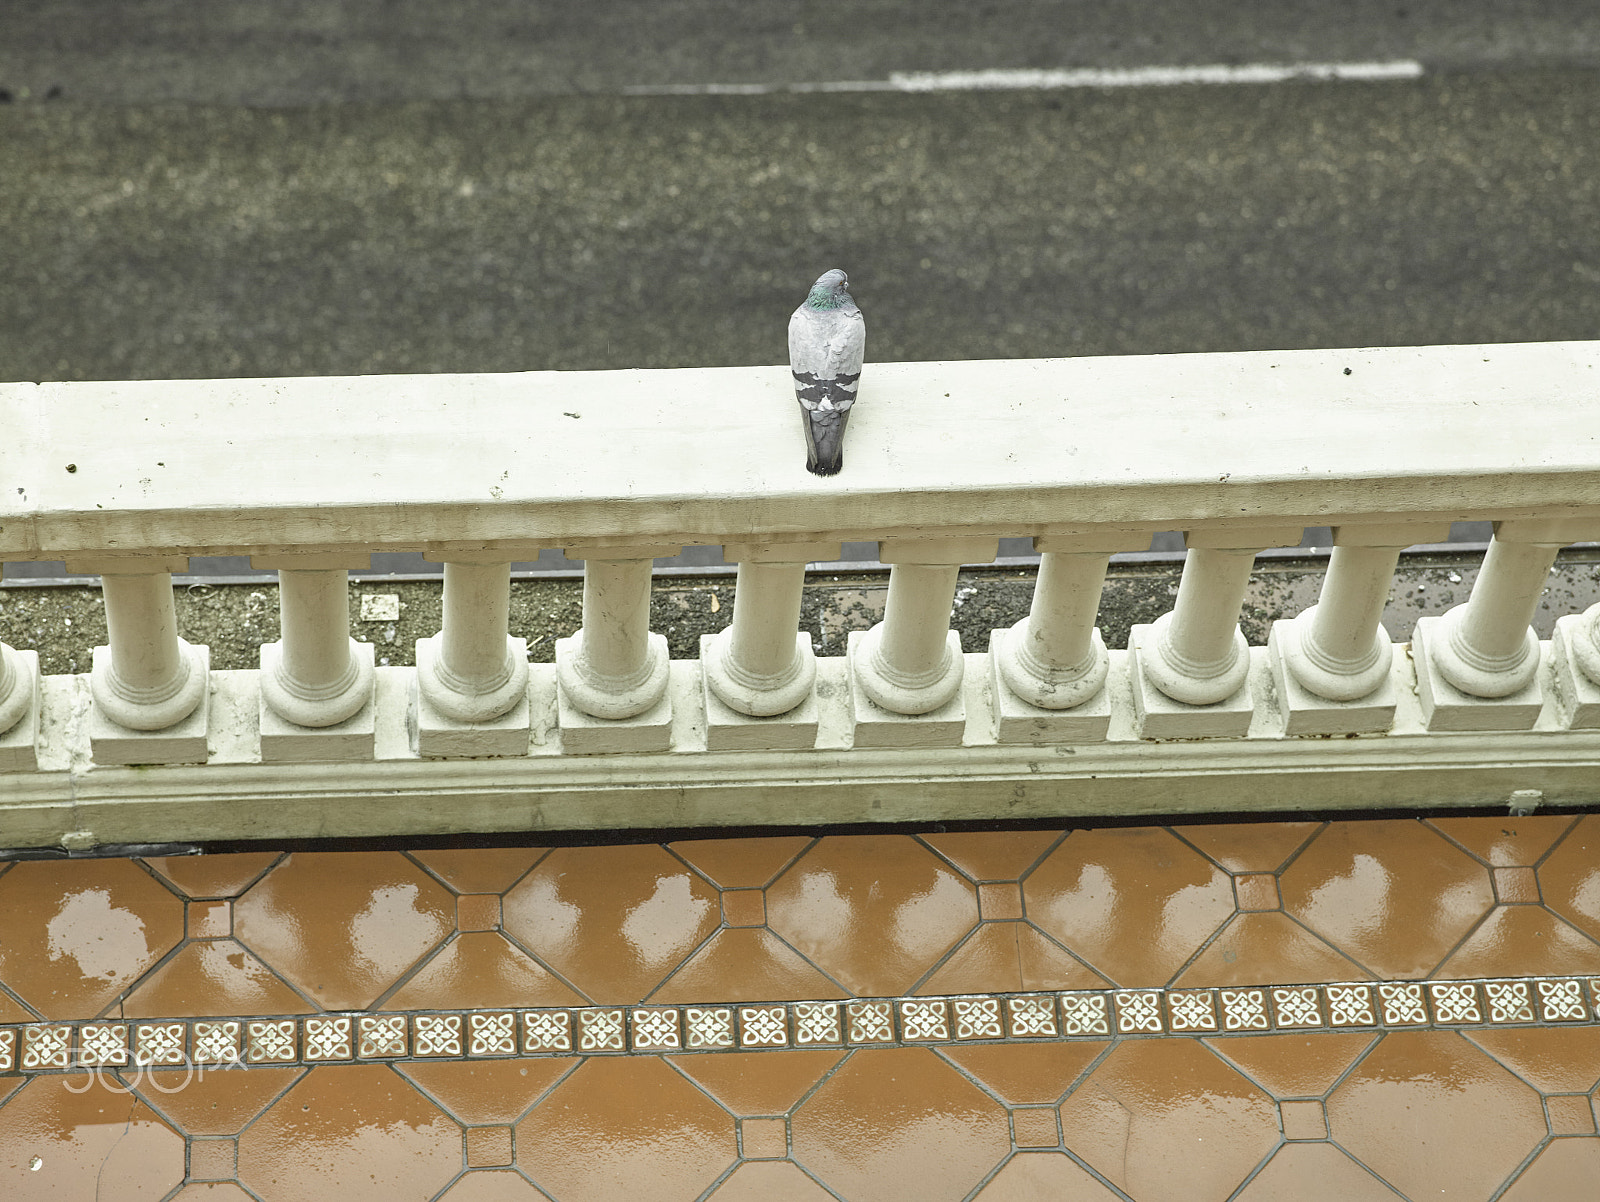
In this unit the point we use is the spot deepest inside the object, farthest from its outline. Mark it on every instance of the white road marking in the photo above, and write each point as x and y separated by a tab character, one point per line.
1077	77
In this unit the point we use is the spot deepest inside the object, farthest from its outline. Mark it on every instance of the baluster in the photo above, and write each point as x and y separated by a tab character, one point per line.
149	686
1049	670
1575	656
316	677
1190	667
472	677
1478	663
906	671
613	671
19	709
1332	663
760	671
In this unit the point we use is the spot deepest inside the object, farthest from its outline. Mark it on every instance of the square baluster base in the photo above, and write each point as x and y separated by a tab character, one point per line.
1577	695
285	743
183	742
1019	721
1306	713
583	734
1445	707
18	752
1157	716
878	727
443	737
729	730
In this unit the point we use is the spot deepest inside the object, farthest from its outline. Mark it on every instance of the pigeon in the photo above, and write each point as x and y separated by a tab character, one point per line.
827	340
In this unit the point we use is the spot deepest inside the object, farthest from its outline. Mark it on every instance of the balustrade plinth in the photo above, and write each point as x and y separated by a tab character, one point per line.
20	685
876	726
791	727
1575	668
1306	712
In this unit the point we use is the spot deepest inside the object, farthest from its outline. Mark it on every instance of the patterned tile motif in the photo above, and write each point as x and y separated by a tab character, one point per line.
1031	1017
763	1027
547	1031
270	1041
8	1049
1350	1006
1085	1014
654	1030
1139	1011
437	1035
1594	996
217	1042
816	1022
1402	1004
1192	1010
1561	1001
492	1034
1509	1001
871	1022
1455	1002
978	1018
327	1039
46	1047
1297	1006
1244	1009
709	1026
101	1044
158	1043
381	1035
924	1020
600	1030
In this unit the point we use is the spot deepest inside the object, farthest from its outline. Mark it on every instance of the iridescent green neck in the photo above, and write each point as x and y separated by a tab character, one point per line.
822	296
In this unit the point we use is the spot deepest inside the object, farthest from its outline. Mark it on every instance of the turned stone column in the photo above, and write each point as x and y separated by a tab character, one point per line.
1575	658
760	671
19	709
149	685
906	671
316	677
1195	655
613	672
1332	663
472	677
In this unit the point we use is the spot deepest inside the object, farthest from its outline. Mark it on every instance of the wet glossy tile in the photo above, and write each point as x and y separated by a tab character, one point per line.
1516	886
1506	842
225	875
1303	1120
763	1138
1553	1061
480	869
746	964
211	1103
1494	1120
1394	895
744	907
1267	946
626	1127
1256	891
480	1092
13	1011
1570	1114
1569	879
74	934
769	1181
492	1185
211	1191
208	919
1250	846
1009	957
1026	1075
901	1123
1523	941
1314	1173
488	1147
1292	1065
742	863
213	978
82	1141
757	1083
359	1133
477	912
998	900
344	926
875	912
614	921
993	855
212	1159
1151	1096
1045	1177
1036	1127
477	970
1135	903
1568	1168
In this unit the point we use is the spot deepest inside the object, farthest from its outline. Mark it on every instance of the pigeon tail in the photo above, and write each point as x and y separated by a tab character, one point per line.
825	440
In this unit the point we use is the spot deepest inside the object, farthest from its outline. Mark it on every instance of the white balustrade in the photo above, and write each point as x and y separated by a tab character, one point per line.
19	708
1575	660
472	677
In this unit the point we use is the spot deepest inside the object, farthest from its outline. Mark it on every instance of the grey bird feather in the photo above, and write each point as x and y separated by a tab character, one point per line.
827	342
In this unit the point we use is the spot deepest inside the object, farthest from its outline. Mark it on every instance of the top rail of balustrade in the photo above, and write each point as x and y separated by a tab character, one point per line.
1007	447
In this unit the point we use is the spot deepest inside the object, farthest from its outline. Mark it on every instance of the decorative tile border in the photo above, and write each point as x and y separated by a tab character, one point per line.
45	1047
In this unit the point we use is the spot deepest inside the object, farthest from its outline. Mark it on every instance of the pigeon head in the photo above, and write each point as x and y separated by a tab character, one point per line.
830	291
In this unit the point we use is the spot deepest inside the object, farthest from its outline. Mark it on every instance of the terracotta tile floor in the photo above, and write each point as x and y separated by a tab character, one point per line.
1350	1010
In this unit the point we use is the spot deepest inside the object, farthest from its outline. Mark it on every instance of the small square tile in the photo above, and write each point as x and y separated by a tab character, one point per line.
1244	1009
1455	1002
8	1049
1402	1004
1138	1011
1509	1001
870	1022
477	912
1085	1014
488	1147
1031	1017
764	1139
817	1023
1304	1120
492	1033
46	1047
708	1026
1191	1010
1561	1001
547	1031
1350	1006
1257	891
269	1041
217	1042
158	1043
102	1044
380	1036
763	1027
1035	1127
977	1018
1297	1006
213	1159
744	907
436	1035
1516	886
208	919
654	1030
924	1020
999	901
1570	1114
600	1030
328	1039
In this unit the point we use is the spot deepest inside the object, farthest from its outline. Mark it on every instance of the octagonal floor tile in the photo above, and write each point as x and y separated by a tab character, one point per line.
493	1185
214	977
1167	1121
219	1102
1290	1065
1520	941
1567	1168
477	969
751	1083
769	1181
615	921
484	1092
1134	902
211	1191
226	875
626	1128
1007	957
874	912
743	863
1263	946
1026	1074
1313	1172
344	926
746	964
94	1144
1570	878
1044	1177
1435	1117
1393	895
480	869
358	1133
1552	1060
896	1124
1250	846
993	855
75	933
1505	842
